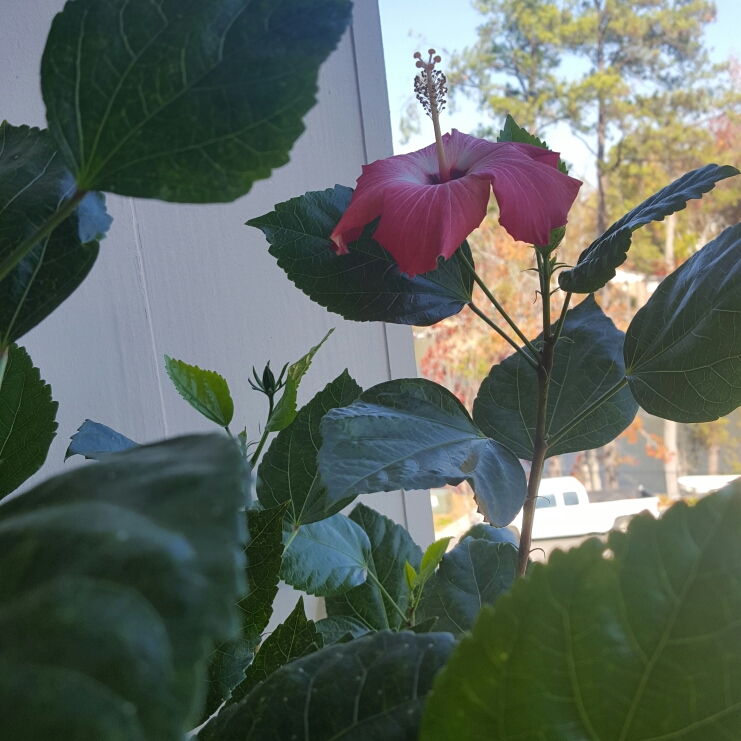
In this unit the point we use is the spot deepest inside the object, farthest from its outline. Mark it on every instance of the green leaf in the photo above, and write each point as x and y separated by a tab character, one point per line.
476	572
285	410
683	348
414	434
642	644
596	265
115	582
483	531
373	601
511	132
335	628
96	442
291	640
27	420
366	284
34	183
431	560
264	552
206	391
370	688
227	666
288	470
410	574
183	100
424	626
327	557
587	363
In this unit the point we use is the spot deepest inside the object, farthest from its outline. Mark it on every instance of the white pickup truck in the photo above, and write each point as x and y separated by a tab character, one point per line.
563	510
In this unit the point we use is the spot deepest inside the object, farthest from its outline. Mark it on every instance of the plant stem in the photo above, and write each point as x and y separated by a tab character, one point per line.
562	318
540	443
265	432
42	232
475	309
499	307
260	446
583	415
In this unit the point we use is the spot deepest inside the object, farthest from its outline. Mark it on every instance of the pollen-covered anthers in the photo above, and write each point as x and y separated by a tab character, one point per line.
430	84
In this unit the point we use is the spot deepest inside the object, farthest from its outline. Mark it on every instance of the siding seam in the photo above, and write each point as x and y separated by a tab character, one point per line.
148	311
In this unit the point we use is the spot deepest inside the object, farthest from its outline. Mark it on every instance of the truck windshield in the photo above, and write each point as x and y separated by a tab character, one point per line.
545	500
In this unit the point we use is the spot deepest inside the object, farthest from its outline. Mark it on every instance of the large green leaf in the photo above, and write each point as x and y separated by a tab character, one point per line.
371	688
294	638
183	100
587	363
34	183
639	644
372	603
115	581
683	348
288	471
27	420
596	265
366	284
327	557
414	434
206	391
264	552
285	410
475	573
339	627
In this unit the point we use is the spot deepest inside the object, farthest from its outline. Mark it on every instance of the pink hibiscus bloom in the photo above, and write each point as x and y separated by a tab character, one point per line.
423	216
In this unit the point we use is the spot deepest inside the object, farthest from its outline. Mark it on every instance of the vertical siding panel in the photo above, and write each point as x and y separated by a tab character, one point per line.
194	282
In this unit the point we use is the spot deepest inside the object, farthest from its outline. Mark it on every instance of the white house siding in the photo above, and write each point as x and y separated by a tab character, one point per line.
194	283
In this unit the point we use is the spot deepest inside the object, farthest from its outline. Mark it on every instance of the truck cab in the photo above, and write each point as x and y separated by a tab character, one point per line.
563	510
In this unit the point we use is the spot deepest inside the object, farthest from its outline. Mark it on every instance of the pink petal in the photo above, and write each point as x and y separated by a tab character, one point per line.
532	198
419	221
422	219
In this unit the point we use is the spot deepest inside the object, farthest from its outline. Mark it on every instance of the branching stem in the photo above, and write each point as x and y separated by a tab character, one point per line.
475	309
562	318
498	306
540	443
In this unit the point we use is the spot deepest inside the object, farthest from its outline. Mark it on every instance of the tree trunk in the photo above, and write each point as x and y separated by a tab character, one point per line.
601	136
593	467
713	459
555	467
608	456
671	225
671	462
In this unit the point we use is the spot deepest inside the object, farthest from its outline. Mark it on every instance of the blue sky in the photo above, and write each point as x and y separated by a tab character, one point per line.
411	25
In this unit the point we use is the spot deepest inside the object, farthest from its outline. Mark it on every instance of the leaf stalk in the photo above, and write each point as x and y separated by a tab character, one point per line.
528	358
45	230
498	306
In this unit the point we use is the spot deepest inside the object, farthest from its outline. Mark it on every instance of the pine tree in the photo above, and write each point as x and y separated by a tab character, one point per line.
512	68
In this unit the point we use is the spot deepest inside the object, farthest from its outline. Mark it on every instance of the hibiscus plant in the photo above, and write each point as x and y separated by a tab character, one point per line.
123	607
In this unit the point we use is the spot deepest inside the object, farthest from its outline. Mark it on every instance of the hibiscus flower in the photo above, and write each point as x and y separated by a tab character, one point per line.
429	201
